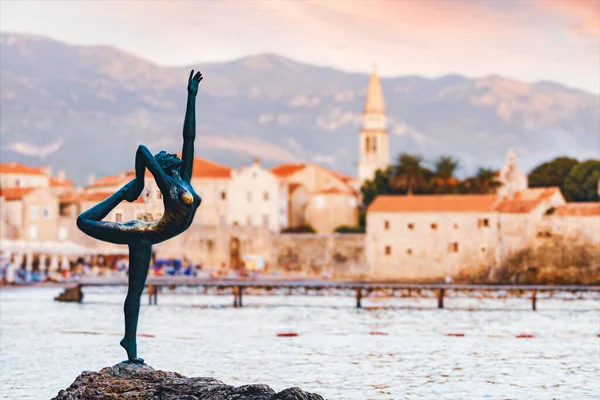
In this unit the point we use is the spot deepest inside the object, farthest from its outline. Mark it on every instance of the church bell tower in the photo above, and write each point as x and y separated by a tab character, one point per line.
373	138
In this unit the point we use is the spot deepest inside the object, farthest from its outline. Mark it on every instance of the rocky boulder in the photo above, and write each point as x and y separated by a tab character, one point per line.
137	382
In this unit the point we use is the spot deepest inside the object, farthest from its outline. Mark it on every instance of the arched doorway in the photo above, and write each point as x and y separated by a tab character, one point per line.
234	253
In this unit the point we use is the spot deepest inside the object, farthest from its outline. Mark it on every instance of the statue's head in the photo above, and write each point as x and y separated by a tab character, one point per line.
170	163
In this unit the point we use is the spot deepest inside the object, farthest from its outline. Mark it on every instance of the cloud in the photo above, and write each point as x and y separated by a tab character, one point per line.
254	147
303	100
336	118
32	150
265	118
324	159
402	129
583	15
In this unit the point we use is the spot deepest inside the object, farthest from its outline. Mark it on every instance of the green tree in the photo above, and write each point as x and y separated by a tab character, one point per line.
444	181
409	175
552	173
379	185
582	182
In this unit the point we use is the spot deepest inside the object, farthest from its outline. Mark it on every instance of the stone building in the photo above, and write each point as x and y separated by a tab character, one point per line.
30	214
373	139
328	199
432	236
258	198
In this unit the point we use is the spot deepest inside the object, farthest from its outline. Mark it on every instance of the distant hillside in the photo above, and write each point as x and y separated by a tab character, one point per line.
85	109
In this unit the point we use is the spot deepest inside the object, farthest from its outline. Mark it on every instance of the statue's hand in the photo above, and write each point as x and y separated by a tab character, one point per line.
193	83
133	190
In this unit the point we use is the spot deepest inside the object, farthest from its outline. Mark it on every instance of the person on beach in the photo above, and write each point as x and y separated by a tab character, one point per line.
172	176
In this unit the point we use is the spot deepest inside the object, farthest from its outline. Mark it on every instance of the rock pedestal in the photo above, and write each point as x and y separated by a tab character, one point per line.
137	382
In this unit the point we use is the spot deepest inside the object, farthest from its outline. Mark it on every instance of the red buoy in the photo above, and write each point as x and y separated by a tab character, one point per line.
456	334
145	335
525	336
378	333
287	334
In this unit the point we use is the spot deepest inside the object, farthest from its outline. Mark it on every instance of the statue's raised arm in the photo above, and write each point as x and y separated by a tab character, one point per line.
189	127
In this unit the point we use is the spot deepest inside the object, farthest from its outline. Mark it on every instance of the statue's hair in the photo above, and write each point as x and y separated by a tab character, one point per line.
167	160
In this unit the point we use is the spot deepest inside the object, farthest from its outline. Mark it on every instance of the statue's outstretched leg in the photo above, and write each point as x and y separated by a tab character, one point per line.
90	222
139	262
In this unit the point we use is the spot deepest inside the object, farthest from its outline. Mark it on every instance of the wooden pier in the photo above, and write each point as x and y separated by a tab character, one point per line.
360	289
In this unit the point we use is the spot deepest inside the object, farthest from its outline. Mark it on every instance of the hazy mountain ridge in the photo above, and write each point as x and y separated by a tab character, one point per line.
73	104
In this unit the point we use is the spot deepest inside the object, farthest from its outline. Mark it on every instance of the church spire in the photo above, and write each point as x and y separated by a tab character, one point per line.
374	103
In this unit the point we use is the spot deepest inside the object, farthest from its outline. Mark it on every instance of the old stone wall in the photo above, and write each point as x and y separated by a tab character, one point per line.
337	254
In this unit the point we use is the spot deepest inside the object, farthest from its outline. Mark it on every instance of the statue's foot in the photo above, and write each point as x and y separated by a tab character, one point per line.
131	349
134	361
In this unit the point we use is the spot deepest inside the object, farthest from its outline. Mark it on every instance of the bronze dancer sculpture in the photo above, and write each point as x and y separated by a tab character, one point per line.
172	176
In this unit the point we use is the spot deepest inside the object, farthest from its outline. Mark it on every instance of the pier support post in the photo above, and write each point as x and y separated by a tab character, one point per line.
155	295
150	292
240	292
358	297
235	296
534	299
441	298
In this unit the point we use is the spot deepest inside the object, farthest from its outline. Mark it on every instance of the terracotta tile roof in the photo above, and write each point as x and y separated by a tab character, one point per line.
434	203
16	168
285	170
78	197
15	193
56	183
525	201
292	187
333	191
339	175
111	180
578	210
208	169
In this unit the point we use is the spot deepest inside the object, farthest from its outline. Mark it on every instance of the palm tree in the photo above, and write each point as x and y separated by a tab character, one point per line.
409	173
486	181
445	167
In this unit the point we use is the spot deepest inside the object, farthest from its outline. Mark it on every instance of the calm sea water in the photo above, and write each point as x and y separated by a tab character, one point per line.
43	347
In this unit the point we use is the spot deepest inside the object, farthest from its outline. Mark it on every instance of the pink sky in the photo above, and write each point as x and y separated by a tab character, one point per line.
531	40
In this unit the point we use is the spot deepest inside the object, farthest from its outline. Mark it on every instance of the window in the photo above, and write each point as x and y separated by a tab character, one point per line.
368	144
33	232
223	196
17	183
249	196
118	217
498	225
455	225
34	212
483	249
46	213
409	251
483	222
386	225
158	195
254	174
388	250
139	216
266	196
453	247
374	144
434	226
63	233
411	226
265	221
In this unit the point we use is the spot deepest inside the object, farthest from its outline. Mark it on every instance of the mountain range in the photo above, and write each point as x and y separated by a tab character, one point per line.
86	108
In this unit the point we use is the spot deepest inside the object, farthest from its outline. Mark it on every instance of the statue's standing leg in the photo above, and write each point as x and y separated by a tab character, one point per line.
139	262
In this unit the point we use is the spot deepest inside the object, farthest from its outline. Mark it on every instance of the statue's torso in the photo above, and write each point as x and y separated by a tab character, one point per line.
180	204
